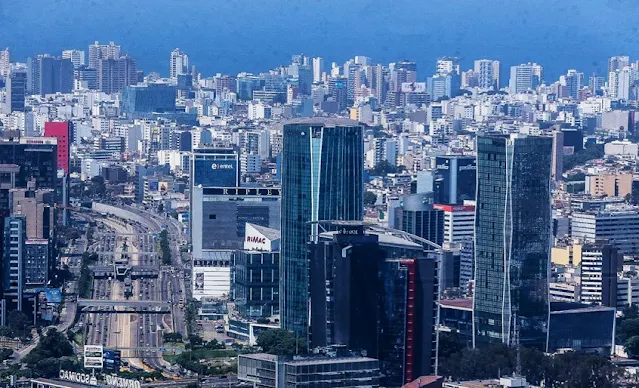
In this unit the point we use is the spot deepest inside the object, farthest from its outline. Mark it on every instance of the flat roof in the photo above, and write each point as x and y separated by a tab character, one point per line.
60	383
326	121
460	303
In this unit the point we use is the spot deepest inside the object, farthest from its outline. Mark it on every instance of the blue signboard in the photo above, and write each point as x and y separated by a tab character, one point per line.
216	173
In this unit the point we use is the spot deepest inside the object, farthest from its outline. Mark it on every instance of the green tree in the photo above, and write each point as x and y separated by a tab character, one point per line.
631	346
281	342
369	198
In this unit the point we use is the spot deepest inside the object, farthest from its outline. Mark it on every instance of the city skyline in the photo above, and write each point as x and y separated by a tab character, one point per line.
422	42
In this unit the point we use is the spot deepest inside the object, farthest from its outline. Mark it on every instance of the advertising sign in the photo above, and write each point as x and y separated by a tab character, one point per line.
77	377
216	173
199	281
413	87
93	356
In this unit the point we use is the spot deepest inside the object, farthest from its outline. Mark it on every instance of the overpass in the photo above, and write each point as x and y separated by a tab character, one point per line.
136	271
143	306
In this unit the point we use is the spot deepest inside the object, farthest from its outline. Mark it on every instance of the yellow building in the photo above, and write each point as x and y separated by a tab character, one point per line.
609	184
569	255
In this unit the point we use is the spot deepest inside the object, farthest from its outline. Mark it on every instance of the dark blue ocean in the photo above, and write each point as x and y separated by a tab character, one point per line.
254	35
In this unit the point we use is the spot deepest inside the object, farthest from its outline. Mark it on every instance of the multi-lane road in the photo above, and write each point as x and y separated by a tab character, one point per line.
112	322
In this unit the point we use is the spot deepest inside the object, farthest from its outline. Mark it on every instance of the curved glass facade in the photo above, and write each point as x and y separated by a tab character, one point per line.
512	239
322	179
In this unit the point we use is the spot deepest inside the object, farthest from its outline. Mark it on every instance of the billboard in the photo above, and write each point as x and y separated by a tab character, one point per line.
413	87
199	281
93	356
216	173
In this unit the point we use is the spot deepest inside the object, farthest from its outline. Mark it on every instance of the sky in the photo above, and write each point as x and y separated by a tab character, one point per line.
255	35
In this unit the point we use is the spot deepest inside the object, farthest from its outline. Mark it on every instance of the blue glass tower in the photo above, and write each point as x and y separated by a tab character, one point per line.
512	240
322	179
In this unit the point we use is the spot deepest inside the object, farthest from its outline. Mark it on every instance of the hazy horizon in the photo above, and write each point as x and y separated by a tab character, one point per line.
244	35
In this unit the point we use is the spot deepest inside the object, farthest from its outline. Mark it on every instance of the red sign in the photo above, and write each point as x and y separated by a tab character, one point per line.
256	239
454	208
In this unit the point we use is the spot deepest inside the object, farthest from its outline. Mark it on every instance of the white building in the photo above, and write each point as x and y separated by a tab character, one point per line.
487	73
250	163
318	68
619	226
77	57
459	222
627	291
622	149
178	63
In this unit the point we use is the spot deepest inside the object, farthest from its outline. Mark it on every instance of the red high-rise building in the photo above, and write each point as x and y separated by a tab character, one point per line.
61	130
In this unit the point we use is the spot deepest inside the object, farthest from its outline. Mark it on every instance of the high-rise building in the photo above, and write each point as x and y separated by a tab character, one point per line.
443	86
178	63
77	57
5	62
322	179
600	263
86	77
459	222
619	226
375	290
574	83
115	74
13	260
318	68
149	98
524	77
38	208
448	65
512	246
557	155
63	131
487	71
16	91
455	179
619	82
416	214
338	91
99	51
215	167
49	75
618	62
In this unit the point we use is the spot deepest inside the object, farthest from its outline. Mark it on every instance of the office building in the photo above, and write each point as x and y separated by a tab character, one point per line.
448	65
99	51
13	260
459	222
218	218
512	247
151	98
37	262
77	57
615	184
322	179
600	263
338	92
524	77
215	167
619	83
487	72
86	77
49	75
38	208
416	214
16	91
255	284
270	371
557	155
375	290
178	63
116	73
443	86
455	179
36	158
619	226
63	132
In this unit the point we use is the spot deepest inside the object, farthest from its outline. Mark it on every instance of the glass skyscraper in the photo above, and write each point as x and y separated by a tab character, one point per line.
322	179
512	240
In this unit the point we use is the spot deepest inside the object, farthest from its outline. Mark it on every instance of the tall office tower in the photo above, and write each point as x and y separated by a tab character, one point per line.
63	131
380	82
49	75
618	62
443	85
322	179
38	208
454	179
513	239
557	155
375	290
619	82
12	261
77	57
416	214
16	90
305	79
600	263
459	222
115	74
178	64
574	83
354	78
5	62
487	71
318	68
99	51
86	77
448	65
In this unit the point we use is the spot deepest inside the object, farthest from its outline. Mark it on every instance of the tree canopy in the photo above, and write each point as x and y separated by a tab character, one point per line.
281	342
